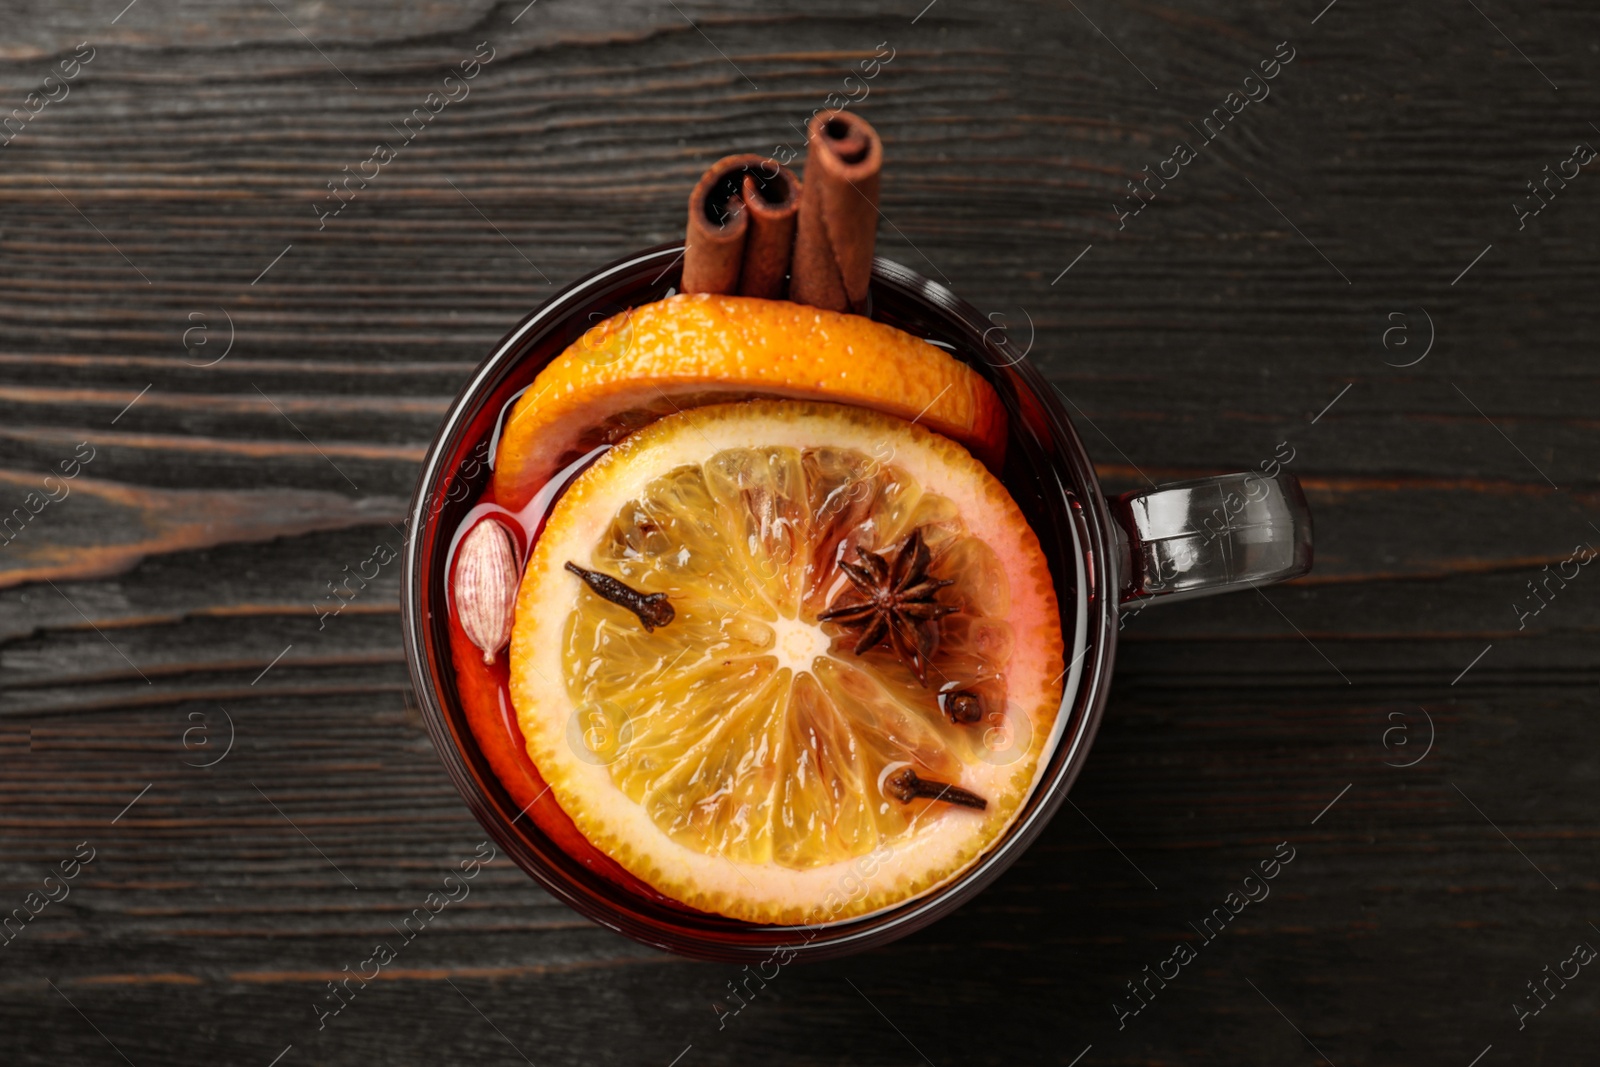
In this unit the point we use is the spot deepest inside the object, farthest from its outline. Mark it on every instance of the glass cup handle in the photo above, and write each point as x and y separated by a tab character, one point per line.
1212	535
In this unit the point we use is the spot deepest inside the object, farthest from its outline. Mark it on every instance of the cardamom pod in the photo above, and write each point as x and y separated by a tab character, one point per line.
485	586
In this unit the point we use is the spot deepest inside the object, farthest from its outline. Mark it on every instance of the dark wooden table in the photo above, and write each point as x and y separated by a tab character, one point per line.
1343	268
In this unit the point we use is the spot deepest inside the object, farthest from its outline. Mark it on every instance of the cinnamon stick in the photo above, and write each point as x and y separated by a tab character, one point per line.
741	228
773	205
838	224
713	246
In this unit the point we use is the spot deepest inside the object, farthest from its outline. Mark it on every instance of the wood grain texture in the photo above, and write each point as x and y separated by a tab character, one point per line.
176	188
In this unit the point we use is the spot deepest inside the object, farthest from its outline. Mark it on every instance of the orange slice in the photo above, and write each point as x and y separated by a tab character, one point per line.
741	757
690	350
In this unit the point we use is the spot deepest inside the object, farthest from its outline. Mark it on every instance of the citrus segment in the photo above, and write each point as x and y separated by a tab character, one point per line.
691	350
746	745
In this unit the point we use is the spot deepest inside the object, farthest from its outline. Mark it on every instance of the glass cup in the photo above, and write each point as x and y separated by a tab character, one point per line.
1107	558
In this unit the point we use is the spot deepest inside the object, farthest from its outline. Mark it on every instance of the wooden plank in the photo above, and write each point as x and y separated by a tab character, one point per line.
181	177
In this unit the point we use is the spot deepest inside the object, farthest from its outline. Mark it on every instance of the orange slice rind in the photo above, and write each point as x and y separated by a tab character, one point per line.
691	350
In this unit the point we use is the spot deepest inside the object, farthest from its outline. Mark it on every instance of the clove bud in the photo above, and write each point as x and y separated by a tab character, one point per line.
906	785
653	609
962	707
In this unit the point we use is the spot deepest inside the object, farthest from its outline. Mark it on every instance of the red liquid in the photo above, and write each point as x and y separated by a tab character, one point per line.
485	693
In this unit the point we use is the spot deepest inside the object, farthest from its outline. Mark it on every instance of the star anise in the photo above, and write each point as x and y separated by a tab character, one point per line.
899	603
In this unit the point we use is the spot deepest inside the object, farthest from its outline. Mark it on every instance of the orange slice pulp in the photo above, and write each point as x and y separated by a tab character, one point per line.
742	758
